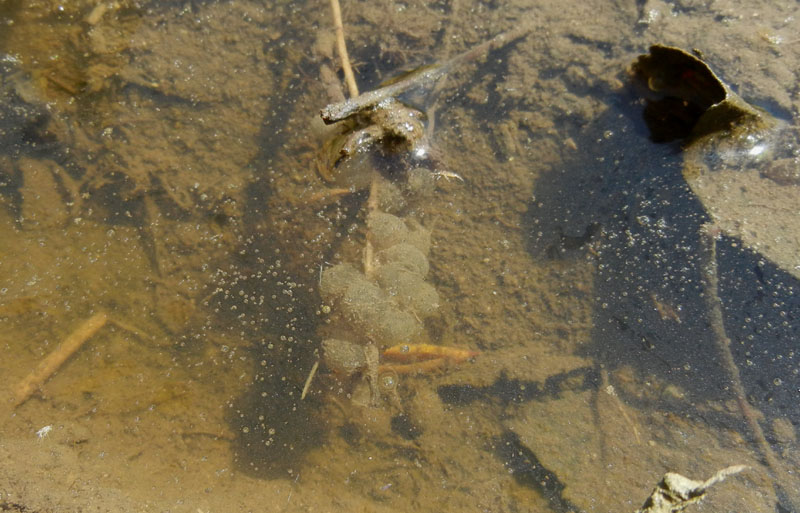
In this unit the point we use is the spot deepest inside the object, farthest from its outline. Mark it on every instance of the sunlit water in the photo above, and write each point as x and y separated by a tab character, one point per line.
166	207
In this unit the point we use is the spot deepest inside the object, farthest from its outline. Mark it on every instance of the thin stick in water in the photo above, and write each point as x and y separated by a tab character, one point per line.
342	110
54	360
341	47
781	479
309	379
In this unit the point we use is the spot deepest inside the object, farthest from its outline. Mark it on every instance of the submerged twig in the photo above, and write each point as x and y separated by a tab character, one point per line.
708	244
372	207
309	379
342	110
352	87
341	47
54	360
609	390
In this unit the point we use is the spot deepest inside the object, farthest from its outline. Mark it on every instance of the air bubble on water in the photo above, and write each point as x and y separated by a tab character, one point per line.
388	381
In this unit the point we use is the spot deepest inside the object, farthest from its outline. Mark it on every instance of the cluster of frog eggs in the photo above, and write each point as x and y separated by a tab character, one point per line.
390	304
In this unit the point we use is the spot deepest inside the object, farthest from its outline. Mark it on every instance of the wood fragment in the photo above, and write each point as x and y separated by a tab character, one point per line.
781	480
372	207
352	87
609	390
343	110
372	356
132	329
309	379
330	195
341	47
52	362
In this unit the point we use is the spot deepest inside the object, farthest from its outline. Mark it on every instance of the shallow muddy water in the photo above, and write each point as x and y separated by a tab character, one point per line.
508	311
